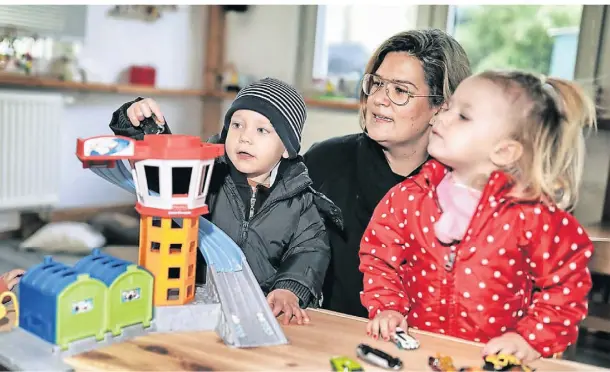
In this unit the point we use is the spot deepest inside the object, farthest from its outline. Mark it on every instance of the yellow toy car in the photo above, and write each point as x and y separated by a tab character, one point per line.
345	364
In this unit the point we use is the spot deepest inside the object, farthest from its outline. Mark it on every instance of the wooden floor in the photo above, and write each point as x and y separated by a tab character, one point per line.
11	257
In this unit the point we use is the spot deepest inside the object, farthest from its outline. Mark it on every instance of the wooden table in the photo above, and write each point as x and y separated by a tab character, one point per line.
311	347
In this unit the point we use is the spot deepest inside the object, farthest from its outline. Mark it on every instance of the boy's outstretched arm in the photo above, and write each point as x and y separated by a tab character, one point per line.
304	264
559	250
122	126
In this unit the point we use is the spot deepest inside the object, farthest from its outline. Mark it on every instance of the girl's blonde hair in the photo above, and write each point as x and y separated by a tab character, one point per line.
550	114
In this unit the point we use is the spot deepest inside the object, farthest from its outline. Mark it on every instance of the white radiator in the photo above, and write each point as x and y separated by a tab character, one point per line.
30	149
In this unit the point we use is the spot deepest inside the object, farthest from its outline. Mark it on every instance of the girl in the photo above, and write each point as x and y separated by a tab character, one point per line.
479	245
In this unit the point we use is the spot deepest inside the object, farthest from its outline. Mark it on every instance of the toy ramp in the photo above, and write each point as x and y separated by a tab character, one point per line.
247	319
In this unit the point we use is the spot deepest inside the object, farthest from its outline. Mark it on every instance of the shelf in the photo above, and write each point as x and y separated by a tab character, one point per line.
8	80
338	104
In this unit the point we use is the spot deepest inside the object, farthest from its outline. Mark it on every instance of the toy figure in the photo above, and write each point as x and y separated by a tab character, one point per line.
496	362
8	281
504	362
441	363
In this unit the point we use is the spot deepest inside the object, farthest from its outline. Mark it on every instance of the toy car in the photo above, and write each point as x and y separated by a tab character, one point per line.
404	341
345	364
378	357
441	363
504	362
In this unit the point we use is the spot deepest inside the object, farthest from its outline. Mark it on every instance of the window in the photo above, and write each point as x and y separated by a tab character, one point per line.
173	273
346	37
155	246
43	31
151	173
181	180
175	248
173	294
538	38
202	180
177	223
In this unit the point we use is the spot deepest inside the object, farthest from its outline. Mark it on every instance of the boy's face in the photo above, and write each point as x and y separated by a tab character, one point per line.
253	145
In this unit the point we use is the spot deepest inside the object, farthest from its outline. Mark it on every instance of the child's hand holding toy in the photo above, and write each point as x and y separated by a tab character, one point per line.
385	324
511	343
143	109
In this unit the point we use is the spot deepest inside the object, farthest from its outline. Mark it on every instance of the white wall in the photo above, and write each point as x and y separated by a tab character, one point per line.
174	45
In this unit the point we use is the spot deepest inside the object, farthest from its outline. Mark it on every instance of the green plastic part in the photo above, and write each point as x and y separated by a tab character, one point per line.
81	311
130	300
345	364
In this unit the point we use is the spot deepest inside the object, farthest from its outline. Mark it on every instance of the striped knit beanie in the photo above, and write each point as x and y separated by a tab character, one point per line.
278	102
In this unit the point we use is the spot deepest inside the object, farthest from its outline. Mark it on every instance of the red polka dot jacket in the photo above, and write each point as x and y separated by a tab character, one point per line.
521	267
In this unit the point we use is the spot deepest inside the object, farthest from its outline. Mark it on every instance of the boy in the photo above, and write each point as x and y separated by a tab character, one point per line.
260	193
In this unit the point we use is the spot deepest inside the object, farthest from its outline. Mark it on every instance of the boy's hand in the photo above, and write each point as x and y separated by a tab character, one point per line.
385	323
12	277
282	300
145	109
511	343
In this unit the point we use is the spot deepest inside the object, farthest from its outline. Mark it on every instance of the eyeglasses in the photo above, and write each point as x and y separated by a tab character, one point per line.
399	94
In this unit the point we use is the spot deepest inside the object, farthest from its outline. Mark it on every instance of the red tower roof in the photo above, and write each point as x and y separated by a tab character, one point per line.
155	146
176	147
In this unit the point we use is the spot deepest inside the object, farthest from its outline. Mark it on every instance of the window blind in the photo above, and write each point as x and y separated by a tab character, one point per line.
59	21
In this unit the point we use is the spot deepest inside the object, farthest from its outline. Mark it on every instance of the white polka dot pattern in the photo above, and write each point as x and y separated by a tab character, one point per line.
520	267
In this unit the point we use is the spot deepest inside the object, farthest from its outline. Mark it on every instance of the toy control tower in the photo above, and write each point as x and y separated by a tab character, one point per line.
171	176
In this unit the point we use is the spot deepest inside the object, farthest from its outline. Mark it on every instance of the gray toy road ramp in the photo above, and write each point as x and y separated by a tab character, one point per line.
246	317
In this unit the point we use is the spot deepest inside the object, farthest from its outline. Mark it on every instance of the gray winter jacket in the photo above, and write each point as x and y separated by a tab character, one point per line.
285	240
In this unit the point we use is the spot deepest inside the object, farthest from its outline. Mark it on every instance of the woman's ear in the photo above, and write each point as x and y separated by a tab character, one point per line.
285	154
506	153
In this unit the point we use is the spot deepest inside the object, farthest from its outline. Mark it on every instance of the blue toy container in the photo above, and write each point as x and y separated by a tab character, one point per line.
61	305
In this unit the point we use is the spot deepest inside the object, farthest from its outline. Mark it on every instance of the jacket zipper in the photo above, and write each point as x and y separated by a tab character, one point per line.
246	223
451	298
450	276
252	202
268	204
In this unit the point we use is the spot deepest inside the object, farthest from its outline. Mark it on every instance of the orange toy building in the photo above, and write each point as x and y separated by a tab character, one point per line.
169	224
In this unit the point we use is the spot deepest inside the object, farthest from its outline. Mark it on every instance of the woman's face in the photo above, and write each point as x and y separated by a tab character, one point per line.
392	125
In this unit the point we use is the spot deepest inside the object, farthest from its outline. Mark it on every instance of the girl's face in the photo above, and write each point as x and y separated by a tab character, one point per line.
472	133
392	125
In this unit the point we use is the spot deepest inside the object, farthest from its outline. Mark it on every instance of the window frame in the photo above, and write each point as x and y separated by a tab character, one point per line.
588	65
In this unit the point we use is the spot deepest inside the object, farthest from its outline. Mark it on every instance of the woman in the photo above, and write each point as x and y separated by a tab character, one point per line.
405	83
